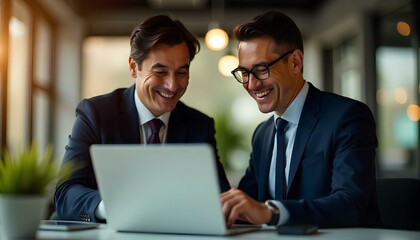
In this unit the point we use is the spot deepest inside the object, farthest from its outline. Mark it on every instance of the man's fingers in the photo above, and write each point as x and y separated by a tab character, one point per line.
229	194
231	203
236	209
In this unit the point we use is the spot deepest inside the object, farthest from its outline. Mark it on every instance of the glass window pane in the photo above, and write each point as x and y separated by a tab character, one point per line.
396	92
351	84
41	118
347	77
397	95
18	87
42	53
105	64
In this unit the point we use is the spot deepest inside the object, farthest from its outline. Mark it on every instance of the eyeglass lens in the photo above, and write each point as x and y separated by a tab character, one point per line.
260	72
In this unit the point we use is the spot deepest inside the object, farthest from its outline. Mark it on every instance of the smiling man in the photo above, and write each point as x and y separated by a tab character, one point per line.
313	161
161	52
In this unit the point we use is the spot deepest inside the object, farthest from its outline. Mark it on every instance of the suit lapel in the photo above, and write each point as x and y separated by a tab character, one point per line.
177	128
128	117
307	122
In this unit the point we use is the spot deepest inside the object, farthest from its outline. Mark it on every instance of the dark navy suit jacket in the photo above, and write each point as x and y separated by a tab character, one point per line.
332	172
113	119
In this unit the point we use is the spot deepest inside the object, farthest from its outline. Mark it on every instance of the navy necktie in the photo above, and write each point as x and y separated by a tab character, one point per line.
280	188
155	125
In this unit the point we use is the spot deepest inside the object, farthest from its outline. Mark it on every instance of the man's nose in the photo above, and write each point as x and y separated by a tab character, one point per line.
171	82
253	82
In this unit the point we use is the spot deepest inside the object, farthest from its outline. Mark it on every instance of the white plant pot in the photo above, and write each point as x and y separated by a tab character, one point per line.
20	215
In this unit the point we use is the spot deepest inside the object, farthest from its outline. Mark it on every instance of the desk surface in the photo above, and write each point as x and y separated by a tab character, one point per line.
341	234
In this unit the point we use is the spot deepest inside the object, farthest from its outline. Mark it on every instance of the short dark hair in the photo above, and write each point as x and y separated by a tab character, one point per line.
160	29
281	28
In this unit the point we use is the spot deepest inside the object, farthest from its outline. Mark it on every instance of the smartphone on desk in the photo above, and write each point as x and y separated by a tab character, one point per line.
61	225
304	229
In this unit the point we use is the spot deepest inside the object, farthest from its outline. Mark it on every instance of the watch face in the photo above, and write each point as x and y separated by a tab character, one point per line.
272	206
275	213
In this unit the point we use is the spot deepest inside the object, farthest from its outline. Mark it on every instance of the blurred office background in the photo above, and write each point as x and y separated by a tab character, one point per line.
55	52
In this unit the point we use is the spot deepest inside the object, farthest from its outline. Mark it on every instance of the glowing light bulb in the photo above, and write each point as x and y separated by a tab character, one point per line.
226	64
403	28
216	39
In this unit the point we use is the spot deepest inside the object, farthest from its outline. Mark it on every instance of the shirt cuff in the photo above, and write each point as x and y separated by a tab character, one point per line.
284	213
100	211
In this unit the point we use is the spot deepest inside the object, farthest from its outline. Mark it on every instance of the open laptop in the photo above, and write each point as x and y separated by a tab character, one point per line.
165	188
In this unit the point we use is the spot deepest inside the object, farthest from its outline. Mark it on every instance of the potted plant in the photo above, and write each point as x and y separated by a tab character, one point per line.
25	179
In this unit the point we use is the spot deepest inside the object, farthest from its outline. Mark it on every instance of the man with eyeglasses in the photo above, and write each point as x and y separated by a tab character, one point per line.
313	162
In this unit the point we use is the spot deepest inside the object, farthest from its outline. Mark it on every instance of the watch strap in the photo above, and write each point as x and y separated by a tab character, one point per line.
275	213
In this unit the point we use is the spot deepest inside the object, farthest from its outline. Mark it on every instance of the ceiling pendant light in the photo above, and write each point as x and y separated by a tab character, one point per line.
216	38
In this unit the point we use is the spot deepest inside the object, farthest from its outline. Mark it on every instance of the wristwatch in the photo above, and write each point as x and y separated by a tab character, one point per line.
275	212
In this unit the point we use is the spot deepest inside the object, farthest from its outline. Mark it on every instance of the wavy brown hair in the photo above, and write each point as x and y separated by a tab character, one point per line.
160	29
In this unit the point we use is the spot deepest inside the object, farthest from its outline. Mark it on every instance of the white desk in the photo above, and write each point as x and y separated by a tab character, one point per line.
341	234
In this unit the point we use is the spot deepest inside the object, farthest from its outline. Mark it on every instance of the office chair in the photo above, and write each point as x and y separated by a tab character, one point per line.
399	203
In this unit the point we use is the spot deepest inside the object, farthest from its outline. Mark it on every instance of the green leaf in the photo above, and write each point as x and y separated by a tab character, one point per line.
28	172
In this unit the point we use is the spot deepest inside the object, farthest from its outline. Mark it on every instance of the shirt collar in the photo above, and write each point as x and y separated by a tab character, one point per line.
145	115
294	110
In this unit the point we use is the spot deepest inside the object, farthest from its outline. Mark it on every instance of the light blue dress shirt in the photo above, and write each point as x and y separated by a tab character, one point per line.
292	115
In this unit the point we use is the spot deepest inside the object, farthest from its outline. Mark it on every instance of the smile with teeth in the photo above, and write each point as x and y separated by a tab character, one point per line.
262	94
166	95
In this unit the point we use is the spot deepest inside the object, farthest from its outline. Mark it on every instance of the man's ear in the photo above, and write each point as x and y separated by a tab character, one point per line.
132	67
297	59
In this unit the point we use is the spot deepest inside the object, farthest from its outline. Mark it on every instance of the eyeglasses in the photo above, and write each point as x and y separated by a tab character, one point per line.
260	71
